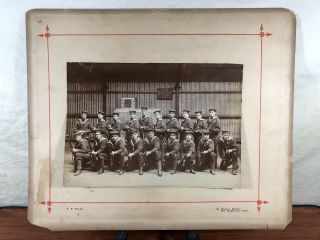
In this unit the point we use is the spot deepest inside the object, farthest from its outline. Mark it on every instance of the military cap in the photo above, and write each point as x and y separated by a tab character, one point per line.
173	131
187	111
144	108
134	131
225	131
98	130
205	131
115	113
101	112
84	111
114	132
159	111
172	110
150	129
80	132
132	111
188	131
212	109
198	112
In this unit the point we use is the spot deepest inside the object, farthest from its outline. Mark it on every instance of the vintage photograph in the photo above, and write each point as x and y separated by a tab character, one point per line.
153	125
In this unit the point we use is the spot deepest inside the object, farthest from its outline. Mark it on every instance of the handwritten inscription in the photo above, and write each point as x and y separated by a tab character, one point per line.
232	210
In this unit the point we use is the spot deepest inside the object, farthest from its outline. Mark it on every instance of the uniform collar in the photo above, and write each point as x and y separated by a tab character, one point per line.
149	140
212	118
80	119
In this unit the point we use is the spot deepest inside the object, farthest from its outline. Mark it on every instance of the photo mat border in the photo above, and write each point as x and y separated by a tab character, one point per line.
49	202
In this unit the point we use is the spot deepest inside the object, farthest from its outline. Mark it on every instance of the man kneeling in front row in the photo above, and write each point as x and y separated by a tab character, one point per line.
228	151
136	156
99	154
206	154
119	152
81	152
152	151
188	152
172	156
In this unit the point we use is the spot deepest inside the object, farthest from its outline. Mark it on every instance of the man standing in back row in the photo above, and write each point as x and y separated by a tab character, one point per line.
145	122
83	123
101	123
131	125
186	124
160	127
198	127
115	123
173	122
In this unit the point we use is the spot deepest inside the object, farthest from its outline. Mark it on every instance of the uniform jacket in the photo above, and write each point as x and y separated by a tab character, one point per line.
136	146
85	125
115	125
225	145
160	126
101	124
146	121
172	147
205	146
214	126
173	124
187	147
131	125
187	123
82	146
100	146
152	145
119	146
200	124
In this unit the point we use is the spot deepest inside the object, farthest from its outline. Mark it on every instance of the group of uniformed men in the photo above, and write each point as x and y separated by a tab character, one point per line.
149	145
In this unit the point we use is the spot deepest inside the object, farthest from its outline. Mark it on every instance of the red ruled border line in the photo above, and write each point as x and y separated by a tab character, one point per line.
47	35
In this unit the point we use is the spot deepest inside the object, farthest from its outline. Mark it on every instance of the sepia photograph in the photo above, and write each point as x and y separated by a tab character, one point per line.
153	125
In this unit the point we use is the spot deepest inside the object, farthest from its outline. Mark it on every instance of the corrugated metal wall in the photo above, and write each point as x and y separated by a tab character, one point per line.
227	104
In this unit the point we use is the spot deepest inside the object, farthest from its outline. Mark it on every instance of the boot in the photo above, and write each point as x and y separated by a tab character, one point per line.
121	171
234	172
79	167
213	171
175	164
100	171
192	171
159	168
140	171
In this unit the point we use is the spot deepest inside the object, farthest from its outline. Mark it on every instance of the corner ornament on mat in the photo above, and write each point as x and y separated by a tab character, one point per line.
48	203
47	34
260	202
262	33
